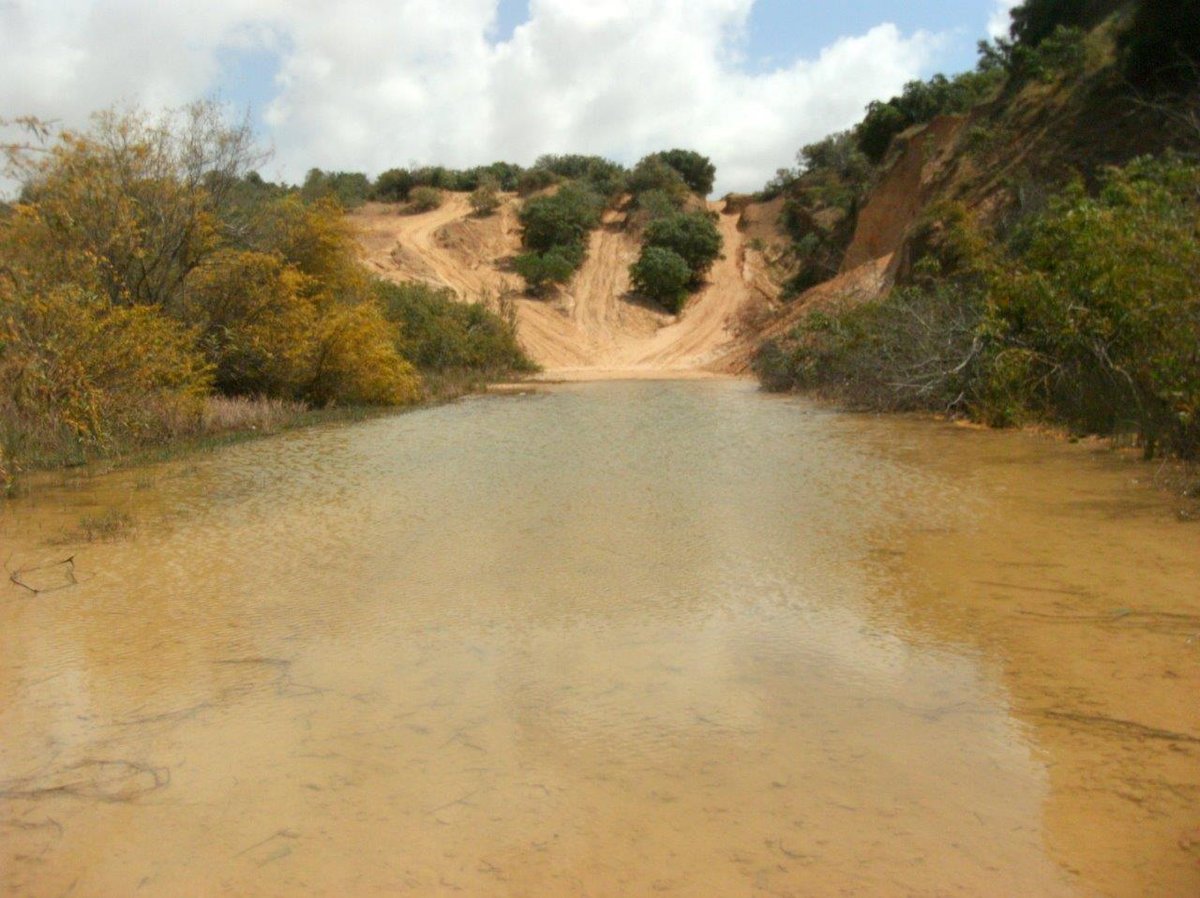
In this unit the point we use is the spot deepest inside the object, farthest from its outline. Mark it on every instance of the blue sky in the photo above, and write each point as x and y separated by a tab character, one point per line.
782	30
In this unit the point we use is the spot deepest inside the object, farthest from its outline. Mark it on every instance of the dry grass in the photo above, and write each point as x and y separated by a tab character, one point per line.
224	414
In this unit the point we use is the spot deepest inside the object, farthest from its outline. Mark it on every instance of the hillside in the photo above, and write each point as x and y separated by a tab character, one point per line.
594	327
1014	244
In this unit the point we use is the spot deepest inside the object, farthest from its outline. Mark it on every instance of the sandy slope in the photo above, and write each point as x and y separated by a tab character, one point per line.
594	328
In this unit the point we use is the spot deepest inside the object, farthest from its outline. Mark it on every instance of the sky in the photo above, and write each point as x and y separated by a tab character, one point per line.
367	85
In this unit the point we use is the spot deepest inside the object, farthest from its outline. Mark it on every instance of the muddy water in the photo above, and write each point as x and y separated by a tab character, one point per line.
610	640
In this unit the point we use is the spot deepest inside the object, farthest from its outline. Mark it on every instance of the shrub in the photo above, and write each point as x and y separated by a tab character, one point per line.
356	362
662	275
437	333
693	236
351	189
541	270
1098	324
915	349
255	322
141	265
657	204
653	174
534	179
602	176
392	186
80	375
1090	319
317	239
1061	53
485	199
424	199
563	219
697	171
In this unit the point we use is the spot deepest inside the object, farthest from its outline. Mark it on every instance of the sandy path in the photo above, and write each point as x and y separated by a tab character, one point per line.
595	328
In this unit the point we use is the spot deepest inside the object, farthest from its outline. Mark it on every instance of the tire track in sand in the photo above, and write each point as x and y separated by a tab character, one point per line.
595	328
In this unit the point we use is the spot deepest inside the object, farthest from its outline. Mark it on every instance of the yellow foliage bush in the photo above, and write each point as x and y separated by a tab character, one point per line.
77	371
140	271
257	322
319	241
118	196
356	360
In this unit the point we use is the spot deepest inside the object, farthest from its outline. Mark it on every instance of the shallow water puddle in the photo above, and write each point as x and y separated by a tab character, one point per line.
612	639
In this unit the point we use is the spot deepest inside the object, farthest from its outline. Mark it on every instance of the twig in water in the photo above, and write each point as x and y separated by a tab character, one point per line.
67	564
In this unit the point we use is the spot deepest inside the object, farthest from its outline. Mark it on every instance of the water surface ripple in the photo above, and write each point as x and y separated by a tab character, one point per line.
609	640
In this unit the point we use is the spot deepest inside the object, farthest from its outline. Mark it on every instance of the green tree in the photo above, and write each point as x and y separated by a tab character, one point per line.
542	269
662	275
697	171
351	189
1096	322
1162	45
392	186
654	174
561	219
693	236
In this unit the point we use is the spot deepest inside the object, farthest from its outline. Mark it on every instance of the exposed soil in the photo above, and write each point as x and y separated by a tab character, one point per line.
595	328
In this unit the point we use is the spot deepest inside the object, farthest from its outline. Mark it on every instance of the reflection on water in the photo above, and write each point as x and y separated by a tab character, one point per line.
613	639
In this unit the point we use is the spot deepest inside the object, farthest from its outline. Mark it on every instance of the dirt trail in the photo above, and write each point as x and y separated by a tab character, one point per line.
593	329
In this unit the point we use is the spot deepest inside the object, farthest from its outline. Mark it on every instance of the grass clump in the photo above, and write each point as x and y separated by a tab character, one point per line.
106	526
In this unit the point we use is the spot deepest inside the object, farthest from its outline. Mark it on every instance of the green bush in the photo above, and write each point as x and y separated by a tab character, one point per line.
602	176
662	275
693	236
541	270
697	171
653	174
1089	317
437	333
534	179
485	199
655	204
424	199
392	186
1096	321
351	189
562	219
1060	53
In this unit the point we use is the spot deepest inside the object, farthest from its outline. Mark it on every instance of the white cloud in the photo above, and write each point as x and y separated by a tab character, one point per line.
369	84
1001	17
